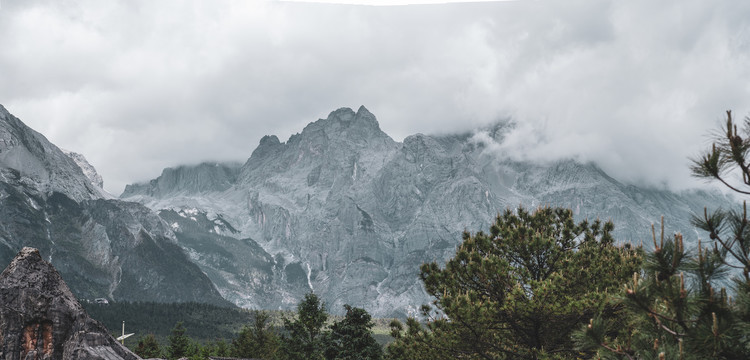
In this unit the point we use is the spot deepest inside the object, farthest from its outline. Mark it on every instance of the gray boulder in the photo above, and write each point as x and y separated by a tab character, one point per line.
41	319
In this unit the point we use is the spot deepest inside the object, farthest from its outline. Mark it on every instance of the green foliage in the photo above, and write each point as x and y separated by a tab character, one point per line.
518	291
305	337
205	321
148	347
179	343
416	343
257	341
210	327
220	348
673	310
351	338
678	307
729	153
182	344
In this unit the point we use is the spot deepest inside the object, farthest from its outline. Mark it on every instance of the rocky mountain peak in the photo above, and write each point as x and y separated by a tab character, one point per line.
269	140
343	114
86	167
204	177
41	319
268	145
344	123
334	144
364	116
41	162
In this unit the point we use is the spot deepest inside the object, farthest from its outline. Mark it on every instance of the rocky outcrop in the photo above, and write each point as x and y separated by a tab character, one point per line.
41	319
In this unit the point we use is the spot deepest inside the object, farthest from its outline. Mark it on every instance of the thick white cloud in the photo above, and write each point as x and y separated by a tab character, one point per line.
140	85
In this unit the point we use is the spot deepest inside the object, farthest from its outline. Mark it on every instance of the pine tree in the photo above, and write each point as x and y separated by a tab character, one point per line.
221	348
674	309
678	306
195	351
519	291
351	338
179	343
205	351
305	337
257	341
148	347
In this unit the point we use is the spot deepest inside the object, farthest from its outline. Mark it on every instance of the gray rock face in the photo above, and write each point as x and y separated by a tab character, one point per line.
86	167
41	319
206	177
102	247
41	162
347	212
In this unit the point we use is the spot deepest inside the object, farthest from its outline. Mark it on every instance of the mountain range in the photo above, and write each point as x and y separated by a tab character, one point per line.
340	209
102	247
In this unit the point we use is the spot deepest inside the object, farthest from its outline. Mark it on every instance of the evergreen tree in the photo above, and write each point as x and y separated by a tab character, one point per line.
678	307
179	343
351	338
675	309
305	336
257	341
205	351
416	343
221	348
519	291
148	347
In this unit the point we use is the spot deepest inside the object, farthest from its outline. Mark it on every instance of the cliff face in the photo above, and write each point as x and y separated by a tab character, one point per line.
40	162
103	247
203	178
41	319
344	210
86	167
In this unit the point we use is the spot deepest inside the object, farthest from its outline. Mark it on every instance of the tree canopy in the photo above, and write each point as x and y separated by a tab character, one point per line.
305	335
179	342
351	338
519	290
148	347
257	341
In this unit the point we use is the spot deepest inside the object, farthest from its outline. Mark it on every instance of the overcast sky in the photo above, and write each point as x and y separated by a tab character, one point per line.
137	86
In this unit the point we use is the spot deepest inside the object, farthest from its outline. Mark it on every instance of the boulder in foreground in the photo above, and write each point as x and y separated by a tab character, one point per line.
41	319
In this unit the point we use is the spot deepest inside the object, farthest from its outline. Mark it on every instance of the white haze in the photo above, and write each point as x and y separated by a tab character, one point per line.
137	86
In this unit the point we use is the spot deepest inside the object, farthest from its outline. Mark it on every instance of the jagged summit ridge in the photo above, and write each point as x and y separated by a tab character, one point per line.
88	169
41	162
103	247
346	211
204	177
346	142
345	122
41	319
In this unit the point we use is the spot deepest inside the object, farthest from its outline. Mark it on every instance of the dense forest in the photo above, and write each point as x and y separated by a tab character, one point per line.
207	329
204	321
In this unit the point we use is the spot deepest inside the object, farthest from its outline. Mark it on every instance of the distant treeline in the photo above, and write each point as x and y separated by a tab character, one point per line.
198	331
203	321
